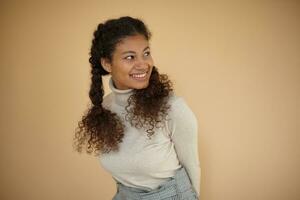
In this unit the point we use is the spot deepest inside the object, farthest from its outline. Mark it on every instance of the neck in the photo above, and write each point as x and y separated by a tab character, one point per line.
121	96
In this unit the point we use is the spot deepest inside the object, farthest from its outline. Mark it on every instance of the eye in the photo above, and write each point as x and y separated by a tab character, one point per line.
147	53
129	57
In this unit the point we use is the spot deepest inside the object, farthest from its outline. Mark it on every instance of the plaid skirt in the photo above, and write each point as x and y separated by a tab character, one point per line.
179	187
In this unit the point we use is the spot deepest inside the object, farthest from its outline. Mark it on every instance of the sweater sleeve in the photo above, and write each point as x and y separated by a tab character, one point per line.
184	134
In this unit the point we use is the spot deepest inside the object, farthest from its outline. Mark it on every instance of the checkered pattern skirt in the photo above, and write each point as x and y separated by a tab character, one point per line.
179	187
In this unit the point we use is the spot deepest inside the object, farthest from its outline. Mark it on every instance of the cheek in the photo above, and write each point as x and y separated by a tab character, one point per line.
122	71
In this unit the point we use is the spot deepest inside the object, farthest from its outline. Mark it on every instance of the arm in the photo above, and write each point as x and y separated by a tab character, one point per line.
184	133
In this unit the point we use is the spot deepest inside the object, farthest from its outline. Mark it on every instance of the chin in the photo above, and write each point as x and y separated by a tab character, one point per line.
141	86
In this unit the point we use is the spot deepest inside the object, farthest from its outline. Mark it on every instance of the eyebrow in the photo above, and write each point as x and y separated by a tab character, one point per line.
134	51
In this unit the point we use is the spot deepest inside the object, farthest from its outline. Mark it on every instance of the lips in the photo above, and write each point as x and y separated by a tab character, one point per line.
139	75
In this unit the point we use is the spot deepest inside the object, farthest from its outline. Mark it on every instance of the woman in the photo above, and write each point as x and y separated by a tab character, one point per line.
146	136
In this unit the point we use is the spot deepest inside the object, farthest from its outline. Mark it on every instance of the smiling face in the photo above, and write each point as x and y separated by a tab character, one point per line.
131	64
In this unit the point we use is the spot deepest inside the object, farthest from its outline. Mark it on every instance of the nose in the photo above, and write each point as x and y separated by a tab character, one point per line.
141	63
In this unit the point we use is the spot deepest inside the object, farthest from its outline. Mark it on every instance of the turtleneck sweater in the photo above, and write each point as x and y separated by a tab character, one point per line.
144	162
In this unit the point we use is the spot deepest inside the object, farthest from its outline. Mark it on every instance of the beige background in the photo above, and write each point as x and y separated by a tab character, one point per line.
237	64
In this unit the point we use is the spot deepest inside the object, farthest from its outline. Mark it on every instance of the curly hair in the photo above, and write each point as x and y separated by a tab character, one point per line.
101	130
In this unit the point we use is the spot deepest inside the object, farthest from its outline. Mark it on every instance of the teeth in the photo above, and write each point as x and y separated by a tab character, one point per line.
138	75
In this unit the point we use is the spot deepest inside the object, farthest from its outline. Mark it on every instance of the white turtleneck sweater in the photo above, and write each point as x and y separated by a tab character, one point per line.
143	162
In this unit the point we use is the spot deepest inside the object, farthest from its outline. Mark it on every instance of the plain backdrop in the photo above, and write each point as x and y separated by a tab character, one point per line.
236	63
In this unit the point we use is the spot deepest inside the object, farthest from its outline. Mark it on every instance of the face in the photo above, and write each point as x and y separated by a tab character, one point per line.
131	63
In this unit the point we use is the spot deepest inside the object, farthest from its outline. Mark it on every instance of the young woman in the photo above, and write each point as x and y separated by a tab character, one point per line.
144	134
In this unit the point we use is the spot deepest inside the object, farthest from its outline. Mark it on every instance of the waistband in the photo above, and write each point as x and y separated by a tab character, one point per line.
179	183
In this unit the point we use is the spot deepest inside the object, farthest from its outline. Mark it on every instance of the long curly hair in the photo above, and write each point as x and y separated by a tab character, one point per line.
101	130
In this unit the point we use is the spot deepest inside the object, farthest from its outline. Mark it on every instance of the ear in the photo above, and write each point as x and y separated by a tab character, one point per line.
106	64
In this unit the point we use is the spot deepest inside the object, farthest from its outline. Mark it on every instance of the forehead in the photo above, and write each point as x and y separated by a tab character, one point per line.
134	43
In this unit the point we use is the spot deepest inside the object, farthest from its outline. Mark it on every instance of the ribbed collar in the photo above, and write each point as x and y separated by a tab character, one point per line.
121	96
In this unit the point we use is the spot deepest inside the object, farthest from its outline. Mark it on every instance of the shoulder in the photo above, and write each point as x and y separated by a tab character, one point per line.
181	118
180	110
177	102
173	98
107	100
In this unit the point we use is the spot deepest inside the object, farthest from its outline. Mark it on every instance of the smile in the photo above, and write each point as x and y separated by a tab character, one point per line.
139	76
